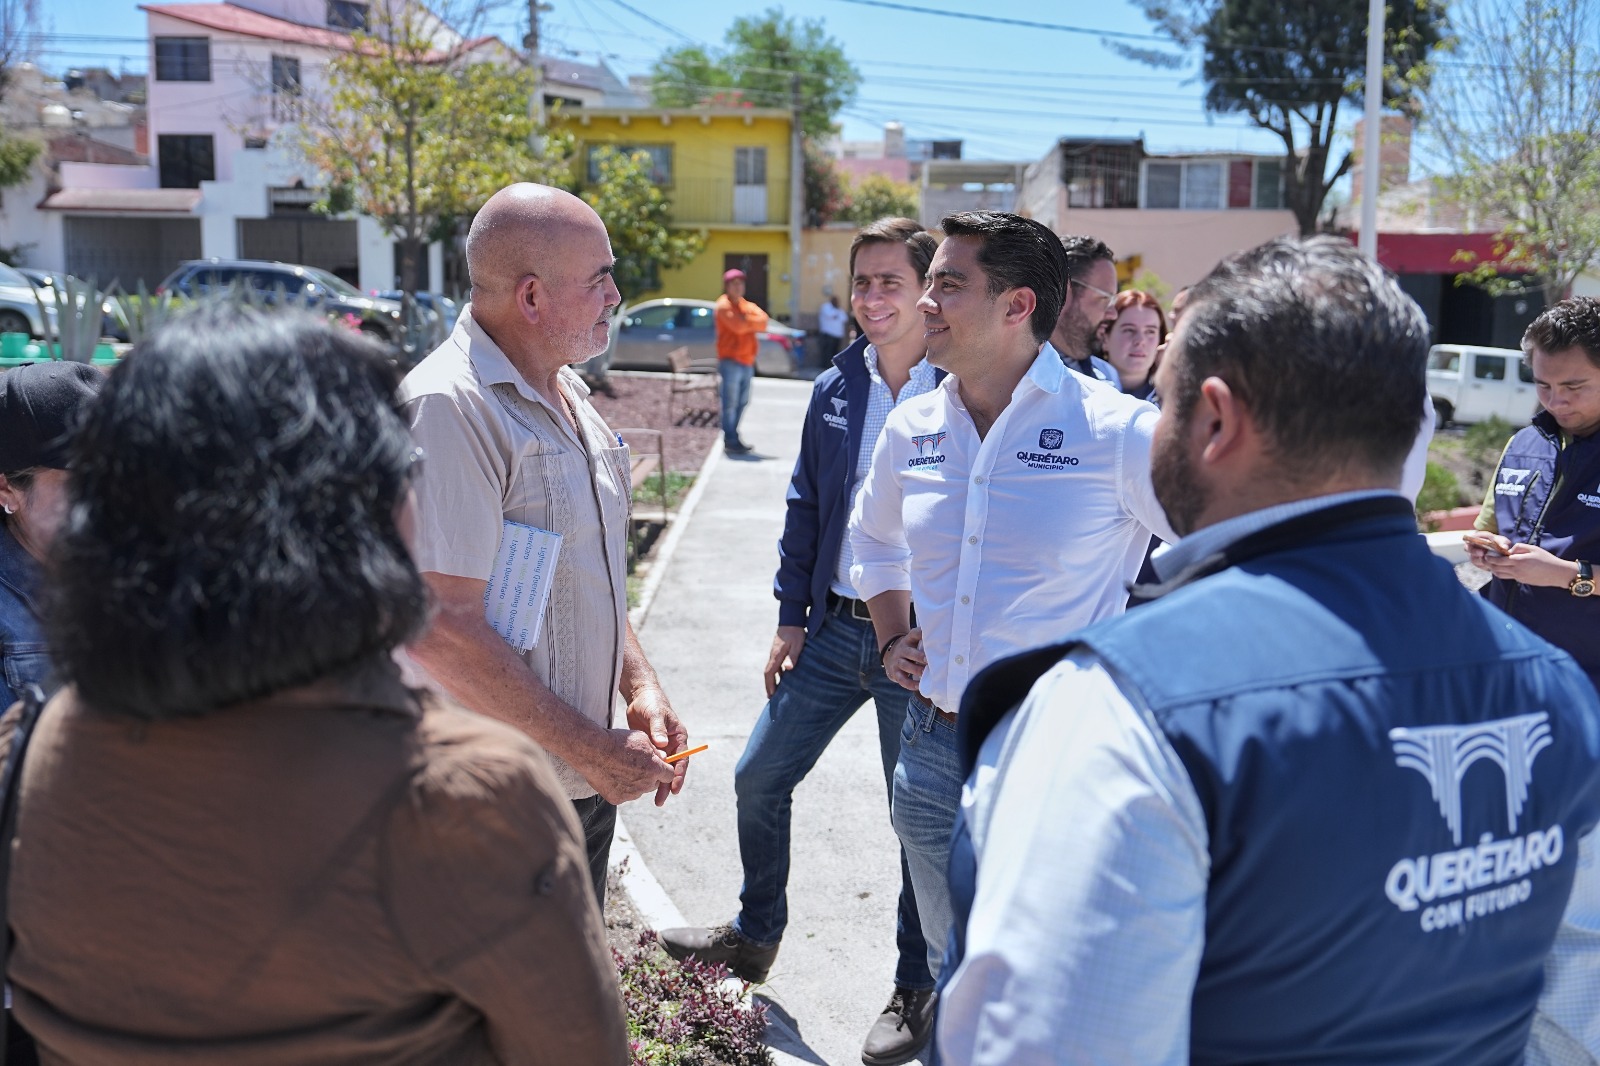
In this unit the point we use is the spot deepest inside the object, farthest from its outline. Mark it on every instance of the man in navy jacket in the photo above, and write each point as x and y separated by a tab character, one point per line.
825	662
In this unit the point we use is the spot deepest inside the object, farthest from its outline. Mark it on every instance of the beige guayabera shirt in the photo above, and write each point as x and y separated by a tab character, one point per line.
496	451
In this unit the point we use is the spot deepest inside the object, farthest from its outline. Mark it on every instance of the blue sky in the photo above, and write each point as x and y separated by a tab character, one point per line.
1008	91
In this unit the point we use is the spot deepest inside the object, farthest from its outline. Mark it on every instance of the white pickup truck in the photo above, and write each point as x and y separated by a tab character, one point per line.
1468	383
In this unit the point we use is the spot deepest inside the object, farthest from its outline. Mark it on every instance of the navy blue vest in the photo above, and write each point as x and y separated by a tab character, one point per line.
1565	523
24	657
1394	777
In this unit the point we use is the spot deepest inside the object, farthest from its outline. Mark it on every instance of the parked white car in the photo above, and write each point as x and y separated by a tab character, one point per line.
1468	383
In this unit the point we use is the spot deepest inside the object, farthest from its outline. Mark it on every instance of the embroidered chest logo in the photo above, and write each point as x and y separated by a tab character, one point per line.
1443	881
927	446
1512	482
837	419
1048	457
1590	499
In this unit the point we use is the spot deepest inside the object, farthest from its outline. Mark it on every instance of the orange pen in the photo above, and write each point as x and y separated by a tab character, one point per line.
686	754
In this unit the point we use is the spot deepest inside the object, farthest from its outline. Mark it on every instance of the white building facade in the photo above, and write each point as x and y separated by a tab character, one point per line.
227	90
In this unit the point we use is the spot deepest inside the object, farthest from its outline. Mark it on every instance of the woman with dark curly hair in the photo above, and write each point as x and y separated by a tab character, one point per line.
241	838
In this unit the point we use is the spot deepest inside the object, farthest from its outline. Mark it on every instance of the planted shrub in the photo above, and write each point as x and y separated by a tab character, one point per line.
680	1015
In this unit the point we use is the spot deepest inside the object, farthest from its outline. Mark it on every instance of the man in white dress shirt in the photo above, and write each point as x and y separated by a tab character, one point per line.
1012	505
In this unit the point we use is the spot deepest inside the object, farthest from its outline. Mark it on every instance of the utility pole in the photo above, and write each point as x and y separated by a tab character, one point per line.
1370	163
536	91
797	197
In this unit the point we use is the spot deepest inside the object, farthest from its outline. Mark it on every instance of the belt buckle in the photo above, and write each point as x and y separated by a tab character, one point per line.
858	610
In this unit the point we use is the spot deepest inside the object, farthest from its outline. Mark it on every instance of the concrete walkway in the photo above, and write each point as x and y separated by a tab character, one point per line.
708	631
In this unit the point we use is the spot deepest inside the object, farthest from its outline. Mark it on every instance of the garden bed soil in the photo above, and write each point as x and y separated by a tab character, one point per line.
640	401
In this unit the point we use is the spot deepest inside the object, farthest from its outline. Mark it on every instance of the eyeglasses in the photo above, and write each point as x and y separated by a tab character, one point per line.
1092	288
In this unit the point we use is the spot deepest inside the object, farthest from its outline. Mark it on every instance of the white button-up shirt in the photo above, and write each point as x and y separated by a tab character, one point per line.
880	401
1015	540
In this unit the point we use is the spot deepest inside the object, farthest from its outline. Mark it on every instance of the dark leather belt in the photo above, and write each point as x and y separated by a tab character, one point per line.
945	716
847	605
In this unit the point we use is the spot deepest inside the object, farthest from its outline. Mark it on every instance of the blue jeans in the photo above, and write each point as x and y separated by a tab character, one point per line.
927	797
735	396
837	672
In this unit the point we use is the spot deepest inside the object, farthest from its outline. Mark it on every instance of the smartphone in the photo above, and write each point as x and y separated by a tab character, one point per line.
1486	541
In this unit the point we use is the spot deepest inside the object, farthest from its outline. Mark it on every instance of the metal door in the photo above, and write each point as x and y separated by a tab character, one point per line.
129	250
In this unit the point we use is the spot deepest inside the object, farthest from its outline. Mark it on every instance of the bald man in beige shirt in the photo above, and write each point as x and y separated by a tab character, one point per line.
509	435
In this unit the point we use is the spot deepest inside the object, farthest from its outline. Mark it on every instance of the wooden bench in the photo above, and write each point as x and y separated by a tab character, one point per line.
688	377
641	465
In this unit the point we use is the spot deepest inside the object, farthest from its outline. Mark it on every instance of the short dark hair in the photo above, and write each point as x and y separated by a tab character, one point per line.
920	244
1017	253
1573	323
1321	346
232	530
1083	253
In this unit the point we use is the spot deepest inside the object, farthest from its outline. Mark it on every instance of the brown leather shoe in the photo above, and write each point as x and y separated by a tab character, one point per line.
902	1030
747	960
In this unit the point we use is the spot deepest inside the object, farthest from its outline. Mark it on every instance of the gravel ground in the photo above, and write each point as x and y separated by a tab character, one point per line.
641	401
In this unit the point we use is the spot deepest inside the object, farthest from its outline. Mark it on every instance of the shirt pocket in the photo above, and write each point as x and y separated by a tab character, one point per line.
543	478
614	480
27	664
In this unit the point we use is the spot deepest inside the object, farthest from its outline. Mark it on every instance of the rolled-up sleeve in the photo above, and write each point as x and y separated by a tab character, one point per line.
1088	921
1138	488
882	561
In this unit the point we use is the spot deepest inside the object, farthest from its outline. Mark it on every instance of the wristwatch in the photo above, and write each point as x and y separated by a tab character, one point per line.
1583	584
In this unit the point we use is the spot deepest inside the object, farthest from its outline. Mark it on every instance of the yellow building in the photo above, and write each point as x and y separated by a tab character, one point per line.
726	172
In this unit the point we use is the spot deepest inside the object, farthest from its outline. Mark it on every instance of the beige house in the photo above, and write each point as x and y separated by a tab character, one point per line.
1174	215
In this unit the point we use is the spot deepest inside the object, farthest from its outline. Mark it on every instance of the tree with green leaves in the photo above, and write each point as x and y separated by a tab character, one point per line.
1518	120
827	191
880	196
18	21
1290	68
417	137
638	217
762	54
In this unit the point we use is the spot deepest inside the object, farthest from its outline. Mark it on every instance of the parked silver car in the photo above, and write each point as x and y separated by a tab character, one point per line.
645	332
19	310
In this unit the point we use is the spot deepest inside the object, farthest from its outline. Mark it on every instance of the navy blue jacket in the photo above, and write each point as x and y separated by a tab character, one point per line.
1370	899
819	489
23	657
1531	508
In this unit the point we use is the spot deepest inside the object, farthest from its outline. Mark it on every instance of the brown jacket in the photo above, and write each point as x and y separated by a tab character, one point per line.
342	874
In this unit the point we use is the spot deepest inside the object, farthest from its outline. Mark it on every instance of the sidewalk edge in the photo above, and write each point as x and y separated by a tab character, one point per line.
669	543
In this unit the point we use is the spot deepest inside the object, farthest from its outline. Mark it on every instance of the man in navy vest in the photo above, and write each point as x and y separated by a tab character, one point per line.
1539	533
1313	800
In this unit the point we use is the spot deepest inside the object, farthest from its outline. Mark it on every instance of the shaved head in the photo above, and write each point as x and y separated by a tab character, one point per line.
521	231
541	269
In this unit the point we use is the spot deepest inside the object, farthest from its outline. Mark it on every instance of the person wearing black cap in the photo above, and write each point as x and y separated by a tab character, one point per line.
39	405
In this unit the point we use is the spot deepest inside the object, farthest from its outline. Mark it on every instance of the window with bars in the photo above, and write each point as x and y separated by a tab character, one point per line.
183	58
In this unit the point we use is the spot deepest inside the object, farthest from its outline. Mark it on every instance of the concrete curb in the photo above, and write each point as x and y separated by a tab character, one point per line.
669	543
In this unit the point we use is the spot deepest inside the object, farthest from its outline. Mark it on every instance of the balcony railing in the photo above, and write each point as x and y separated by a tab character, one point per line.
718	201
